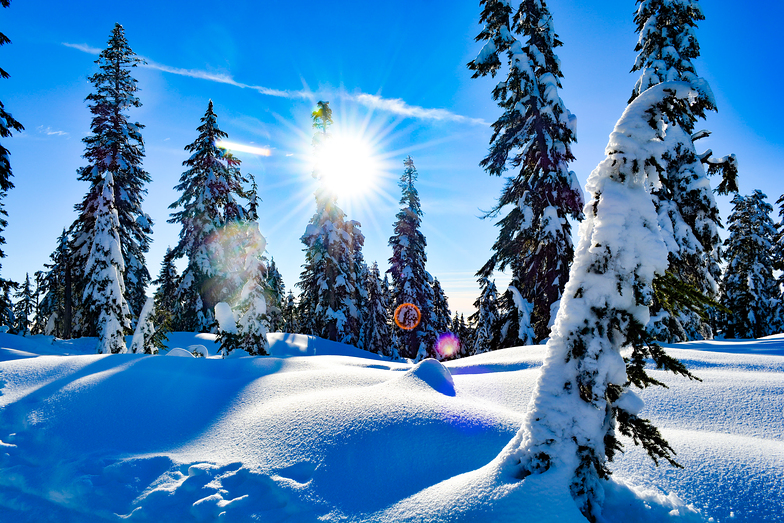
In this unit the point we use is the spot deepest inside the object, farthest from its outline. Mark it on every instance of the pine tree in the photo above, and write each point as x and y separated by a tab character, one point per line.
533	136
7	318
24	307
115	146
684	201
7	124
38	325
584	394
328	281
253	324
55	290
274	297
213	222
147	339
441	314
377	331
104	290
168	310
486	318
411	282
290	315
749	291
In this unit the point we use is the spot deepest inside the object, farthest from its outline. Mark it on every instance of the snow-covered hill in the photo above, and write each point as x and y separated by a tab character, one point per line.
324	432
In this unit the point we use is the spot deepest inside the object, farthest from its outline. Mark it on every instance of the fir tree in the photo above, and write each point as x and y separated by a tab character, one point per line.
441	314
7	318
274	296
584	394
147	339
533	136
38	325
211	218
684	201
115	146
168	310
290	315
332	251
486	318
411	282
55	290
24	307
377	331
7	125
104	290
253	324
749	291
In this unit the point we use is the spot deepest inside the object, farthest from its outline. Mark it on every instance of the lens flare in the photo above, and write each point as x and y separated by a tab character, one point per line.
238	147
346	165
447	345
407	316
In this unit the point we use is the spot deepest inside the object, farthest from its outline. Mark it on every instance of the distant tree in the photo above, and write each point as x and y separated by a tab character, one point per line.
114	146
749	291
533	137
328	281
274	296
377	330
584	394
7	124
7	318
24	307
289	315
55	291
411	283
253	324
104	290
682	193
147	339
441	314
214	225
168	313
38	326
486	318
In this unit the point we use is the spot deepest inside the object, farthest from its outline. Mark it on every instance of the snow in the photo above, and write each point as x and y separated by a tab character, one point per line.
324	431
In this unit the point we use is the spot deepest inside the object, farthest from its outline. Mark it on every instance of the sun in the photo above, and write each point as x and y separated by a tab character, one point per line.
347	165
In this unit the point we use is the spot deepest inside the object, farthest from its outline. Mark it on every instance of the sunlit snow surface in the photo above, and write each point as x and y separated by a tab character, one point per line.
324	432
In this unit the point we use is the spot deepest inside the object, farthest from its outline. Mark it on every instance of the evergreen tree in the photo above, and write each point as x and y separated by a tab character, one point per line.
290	316
38	326
274	297
213	224
115	146
441	314
332	253
147	339
168	310
377	331
486	318
24	307
749	291
253	324
584	390
411	282
533	136
104	290
7	318
684	201
54	290
7	124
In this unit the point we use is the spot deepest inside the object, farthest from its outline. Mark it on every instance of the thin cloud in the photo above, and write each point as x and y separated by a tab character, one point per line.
390	105
49	131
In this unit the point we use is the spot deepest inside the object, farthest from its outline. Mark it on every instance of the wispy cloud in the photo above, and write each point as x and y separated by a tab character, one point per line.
49	131
83	47
390	105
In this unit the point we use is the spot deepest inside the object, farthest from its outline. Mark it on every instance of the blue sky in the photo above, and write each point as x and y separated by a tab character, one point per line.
394	72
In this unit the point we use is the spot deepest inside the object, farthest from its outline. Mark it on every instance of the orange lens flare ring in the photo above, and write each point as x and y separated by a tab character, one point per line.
407	316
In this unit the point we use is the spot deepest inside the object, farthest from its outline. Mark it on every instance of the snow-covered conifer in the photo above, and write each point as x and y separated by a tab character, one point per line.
687	210
213	224
441	314
147	339
226	331
54	309
583	393
115	145
274	296
104	289
411	283
533	137
7	124
486	318
290	315
749	291
253	324
376	328
332	249
168	310
24	307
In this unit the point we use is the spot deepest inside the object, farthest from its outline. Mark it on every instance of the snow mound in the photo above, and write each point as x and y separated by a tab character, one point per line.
180	353
433	374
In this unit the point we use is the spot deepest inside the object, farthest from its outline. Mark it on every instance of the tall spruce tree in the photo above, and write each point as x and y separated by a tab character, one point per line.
376	329
684	201
168	310
441	314
115	145
275	296
583	394
214	224
290	315
749	292
104	291
486	318
55	290
411	283
533	137
332	255
24	307
7	125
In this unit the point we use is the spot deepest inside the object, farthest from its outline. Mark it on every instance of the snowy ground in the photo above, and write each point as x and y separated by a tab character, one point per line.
322	431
